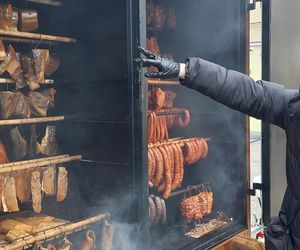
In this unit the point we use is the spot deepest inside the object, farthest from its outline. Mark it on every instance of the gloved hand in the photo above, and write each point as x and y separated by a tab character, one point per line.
166	68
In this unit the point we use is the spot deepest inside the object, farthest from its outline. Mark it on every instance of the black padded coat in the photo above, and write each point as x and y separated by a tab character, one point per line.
269	102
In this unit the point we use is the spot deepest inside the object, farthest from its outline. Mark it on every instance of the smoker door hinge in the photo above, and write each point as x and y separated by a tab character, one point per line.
252	5
256	186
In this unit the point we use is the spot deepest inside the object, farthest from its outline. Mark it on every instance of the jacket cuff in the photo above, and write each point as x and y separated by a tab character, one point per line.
184	80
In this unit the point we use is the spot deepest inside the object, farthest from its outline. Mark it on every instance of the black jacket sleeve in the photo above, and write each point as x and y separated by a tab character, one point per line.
263	100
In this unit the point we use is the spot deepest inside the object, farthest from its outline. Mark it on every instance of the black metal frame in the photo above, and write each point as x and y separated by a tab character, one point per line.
266	127
136	17
136	34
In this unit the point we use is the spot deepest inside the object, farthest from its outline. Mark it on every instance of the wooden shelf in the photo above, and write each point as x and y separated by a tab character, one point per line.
10	81
160	82
48	2
36	36
52	233
31	120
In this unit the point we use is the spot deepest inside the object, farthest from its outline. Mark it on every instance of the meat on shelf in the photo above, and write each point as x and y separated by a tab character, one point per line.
196	206
157	210
25	185
160	16
166	162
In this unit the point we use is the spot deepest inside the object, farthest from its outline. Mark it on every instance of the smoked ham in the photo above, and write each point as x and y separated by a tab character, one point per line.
52	65
89	240
2	184
41	102
48	183
20	146
36	191
62	184
3	154
34	145
49	144
3	55
107	236
9	196
65	244
28	20
22	186
16	235
14	69
40	57
6	14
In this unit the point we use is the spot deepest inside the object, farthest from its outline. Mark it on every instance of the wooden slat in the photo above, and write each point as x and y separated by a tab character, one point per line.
19	163
159	82
31	120
48	2
35	36
7	168
11	81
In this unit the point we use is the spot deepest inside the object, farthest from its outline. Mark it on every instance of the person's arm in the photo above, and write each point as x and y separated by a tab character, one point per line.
263	100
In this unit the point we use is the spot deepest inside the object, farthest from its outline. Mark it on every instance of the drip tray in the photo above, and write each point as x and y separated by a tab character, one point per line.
176	239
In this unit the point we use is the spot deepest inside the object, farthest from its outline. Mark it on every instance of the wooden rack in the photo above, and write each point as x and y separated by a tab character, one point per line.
160	82
170	112
35	36
20	163
51	233
31	120
191	188
11	81
17	166
48	2
174	141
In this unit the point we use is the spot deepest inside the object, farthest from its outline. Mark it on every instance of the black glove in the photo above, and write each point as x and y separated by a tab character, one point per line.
166	68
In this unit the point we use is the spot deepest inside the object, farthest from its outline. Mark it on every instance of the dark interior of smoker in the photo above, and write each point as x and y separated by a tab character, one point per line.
212	30
93	92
